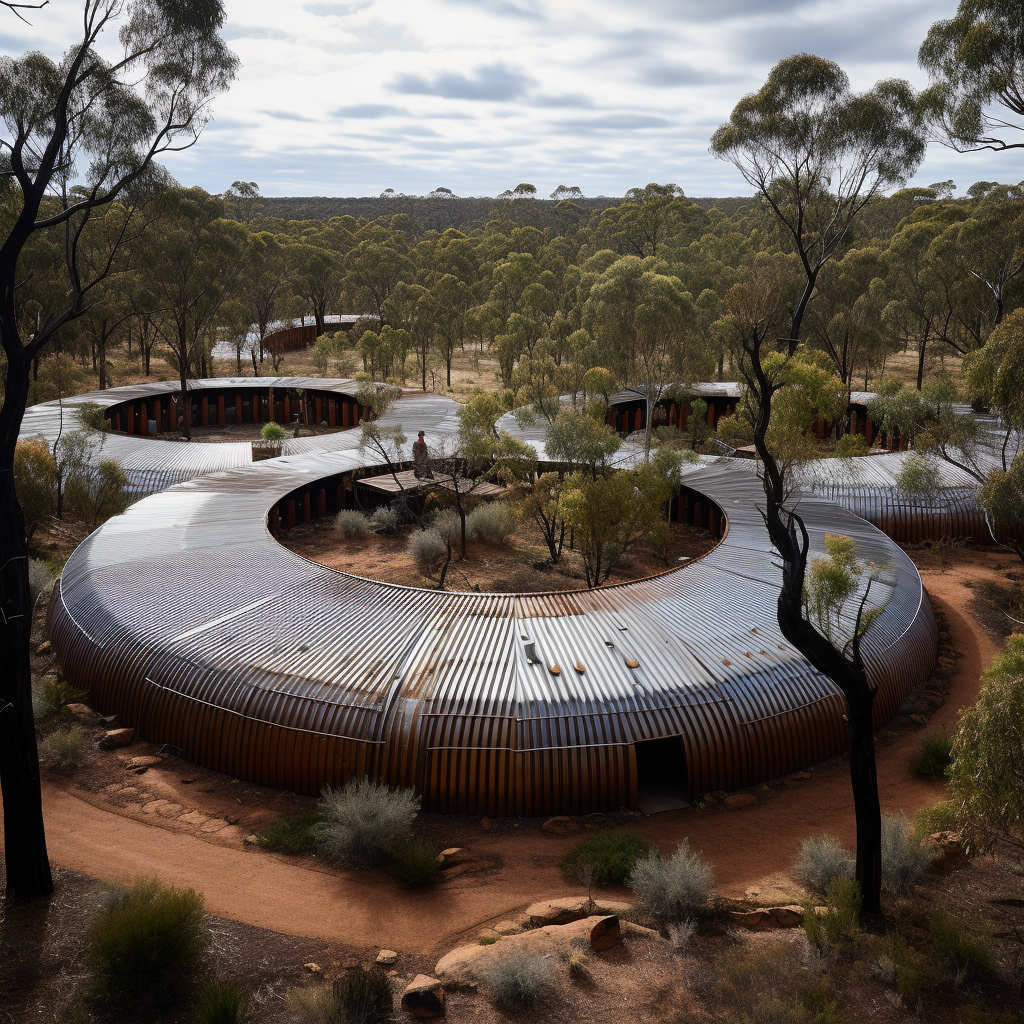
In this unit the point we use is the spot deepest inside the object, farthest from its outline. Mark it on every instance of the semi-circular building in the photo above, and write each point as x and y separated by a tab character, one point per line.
188	618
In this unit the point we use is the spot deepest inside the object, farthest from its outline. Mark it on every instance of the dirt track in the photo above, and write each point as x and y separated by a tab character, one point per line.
750	849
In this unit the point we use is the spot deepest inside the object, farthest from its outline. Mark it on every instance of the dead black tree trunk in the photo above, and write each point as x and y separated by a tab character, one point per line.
844	668
28	869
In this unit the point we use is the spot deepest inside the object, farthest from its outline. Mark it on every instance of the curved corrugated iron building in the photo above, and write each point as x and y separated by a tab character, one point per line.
187	618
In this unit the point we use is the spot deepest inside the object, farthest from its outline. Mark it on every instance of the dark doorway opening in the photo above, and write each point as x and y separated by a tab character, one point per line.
661	775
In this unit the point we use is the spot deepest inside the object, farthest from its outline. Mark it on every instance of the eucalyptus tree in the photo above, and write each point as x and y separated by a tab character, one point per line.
195	258
264	264
642	320
316	277
817	154
976	63
102	123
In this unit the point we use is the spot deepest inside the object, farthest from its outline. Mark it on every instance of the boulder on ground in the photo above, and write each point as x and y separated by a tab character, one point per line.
948	852
559	826
604	933
83	713
387	956
734	801
424	997
570	908
117	738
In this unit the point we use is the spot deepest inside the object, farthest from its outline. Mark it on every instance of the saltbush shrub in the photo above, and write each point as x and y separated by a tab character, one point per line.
220	1002
365	821
273	432
291	833
493	522
940	817
351	523
147	944
62	750
314	1006
384	519
822	859
934	757
39	577
517	980
427	548
416	863
904	859
612	855
671	889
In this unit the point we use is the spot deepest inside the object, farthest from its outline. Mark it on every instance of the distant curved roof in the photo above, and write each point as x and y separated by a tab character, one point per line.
187	618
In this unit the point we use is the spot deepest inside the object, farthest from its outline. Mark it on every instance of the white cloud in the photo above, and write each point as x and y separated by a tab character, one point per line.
349	98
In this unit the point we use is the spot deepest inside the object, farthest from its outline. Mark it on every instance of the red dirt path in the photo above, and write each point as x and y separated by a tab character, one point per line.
750	849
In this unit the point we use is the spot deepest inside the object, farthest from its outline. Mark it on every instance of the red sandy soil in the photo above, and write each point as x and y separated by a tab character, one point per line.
108	834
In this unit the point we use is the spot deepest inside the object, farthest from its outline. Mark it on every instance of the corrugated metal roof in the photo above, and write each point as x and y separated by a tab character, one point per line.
187	617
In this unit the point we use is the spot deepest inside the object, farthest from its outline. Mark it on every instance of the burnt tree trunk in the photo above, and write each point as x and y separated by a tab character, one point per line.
28	868
845	668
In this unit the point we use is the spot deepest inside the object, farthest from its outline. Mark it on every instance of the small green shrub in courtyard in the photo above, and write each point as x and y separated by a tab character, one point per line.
292	833
612	855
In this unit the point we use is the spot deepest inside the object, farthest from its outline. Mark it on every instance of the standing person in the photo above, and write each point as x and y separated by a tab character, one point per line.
421	459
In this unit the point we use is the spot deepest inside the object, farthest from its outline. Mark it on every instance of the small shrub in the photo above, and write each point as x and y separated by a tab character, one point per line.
578	963
39	577
735	431
448	526
352	524
488	940
611	855
427	548
314	1006
517	980
62	750
850	446
903	966
940	817
934	757
904	859
273	432
147	944
365	821
384	520
493	522
842	912
93	415
220	1002
416	863
965	955
821	861
681	933
291	833
364	996
57	694
672	889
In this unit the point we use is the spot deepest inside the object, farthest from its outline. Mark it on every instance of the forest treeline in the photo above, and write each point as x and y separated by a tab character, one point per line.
649	287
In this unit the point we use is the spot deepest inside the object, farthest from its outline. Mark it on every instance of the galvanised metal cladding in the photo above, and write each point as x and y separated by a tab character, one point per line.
186	617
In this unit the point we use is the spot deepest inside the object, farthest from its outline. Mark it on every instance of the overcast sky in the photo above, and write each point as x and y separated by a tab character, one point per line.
350	98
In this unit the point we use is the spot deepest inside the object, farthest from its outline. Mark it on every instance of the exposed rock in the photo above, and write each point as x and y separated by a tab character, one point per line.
461	968
571	908
735	801
507	928
145	761
948	852
801	775
605	933
595	820
387	957
312	968
791	916
83	713
453	856
424	997
252	840
559	826
117	738
752	920
718	794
